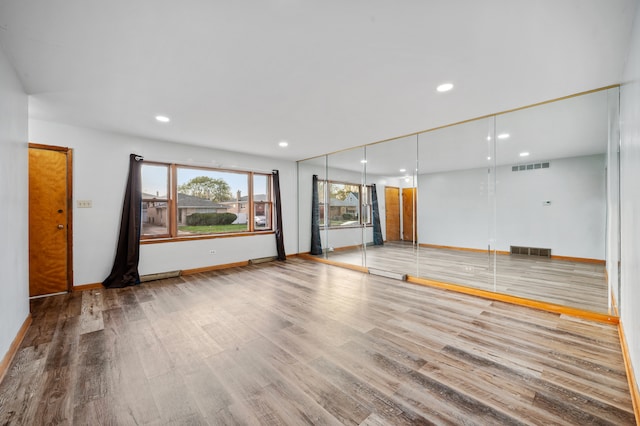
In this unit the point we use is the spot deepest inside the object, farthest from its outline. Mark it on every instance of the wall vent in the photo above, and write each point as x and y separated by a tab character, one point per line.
531	251
532	166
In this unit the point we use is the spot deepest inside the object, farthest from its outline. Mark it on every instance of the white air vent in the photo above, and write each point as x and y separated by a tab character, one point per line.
532	166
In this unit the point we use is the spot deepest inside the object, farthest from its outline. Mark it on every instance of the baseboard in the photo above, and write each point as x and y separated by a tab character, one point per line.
631	378
331	262
579	259
544	306
214	268
84	287
13	349
473	250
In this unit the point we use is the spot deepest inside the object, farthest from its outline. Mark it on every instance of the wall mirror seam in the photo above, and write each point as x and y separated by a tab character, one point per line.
523	203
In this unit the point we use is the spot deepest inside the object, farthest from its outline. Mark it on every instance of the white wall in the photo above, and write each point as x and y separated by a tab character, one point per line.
630	198
100	168
455	209
14	209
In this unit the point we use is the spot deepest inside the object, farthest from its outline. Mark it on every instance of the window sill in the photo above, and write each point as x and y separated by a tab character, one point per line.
182	238
347	227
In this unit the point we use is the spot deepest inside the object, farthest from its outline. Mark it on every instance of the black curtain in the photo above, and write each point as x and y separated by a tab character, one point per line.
279	236
316	244
125	266
377	230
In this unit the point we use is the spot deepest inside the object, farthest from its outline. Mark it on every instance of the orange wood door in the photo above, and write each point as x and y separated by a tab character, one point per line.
392	212
48	221
409	218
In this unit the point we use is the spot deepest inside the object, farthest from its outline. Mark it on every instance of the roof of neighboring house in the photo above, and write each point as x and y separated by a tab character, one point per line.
257	197
185	200
351	200
146	195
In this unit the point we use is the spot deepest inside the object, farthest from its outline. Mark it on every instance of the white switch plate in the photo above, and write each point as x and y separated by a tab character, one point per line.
84	204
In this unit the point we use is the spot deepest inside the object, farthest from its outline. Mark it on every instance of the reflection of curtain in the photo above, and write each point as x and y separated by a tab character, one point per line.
316	244
279	236
125	266
377	230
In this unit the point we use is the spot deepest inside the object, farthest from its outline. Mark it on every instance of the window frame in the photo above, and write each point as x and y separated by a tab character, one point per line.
174	235
324	185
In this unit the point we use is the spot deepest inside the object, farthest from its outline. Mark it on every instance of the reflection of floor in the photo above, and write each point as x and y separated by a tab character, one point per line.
575	284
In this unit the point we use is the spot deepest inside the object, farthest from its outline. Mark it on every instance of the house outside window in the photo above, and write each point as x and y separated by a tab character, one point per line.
344	204
183	201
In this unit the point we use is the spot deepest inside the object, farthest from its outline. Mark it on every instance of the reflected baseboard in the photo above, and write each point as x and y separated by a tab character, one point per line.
522	301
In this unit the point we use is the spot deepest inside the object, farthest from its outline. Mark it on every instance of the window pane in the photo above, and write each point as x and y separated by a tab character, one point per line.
321	191
344	204
155	187
366	205
155	181
211	201
261	202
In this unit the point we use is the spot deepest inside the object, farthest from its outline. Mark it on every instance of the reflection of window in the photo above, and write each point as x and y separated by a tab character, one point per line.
181	201
344	204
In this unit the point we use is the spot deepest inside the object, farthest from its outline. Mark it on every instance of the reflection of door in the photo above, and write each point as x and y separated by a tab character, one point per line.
392	212
49	220
409	219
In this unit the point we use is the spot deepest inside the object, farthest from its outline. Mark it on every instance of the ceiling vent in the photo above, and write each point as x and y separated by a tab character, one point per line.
532	166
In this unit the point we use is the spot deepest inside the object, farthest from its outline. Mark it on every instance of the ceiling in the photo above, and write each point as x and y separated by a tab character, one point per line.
573	127
324	75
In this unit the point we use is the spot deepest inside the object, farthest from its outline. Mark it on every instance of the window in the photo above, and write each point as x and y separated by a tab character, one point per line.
186	202
155	199
344	204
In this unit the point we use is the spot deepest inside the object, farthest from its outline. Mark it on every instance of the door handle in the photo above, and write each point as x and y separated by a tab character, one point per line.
60	226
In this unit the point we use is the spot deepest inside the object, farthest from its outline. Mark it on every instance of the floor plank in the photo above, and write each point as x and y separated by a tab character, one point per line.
301	342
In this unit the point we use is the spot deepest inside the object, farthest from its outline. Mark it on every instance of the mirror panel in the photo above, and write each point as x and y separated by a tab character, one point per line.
347	235
551	202
524	203
391	167
456	208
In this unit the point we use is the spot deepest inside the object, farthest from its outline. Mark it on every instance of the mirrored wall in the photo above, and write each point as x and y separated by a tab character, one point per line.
523	203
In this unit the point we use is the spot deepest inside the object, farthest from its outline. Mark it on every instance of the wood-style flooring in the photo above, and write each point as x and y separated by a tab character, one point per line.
561	282
300	342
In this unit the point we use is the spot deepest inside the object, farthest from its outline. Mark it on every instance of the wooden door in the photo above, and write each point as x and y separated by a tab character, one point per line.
392	212
49	220
409	218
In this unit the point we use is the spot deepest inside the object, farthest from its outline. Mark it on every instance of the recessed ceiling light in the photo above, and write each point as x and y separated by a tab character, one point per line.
403	170
524	154
283	144
503	136
444	87
489	137
363	161
163	118
488	158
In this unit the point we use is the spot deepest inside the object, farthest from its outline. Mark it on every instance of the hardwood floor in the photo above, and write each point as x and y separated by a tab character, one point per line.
562	282
301	342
